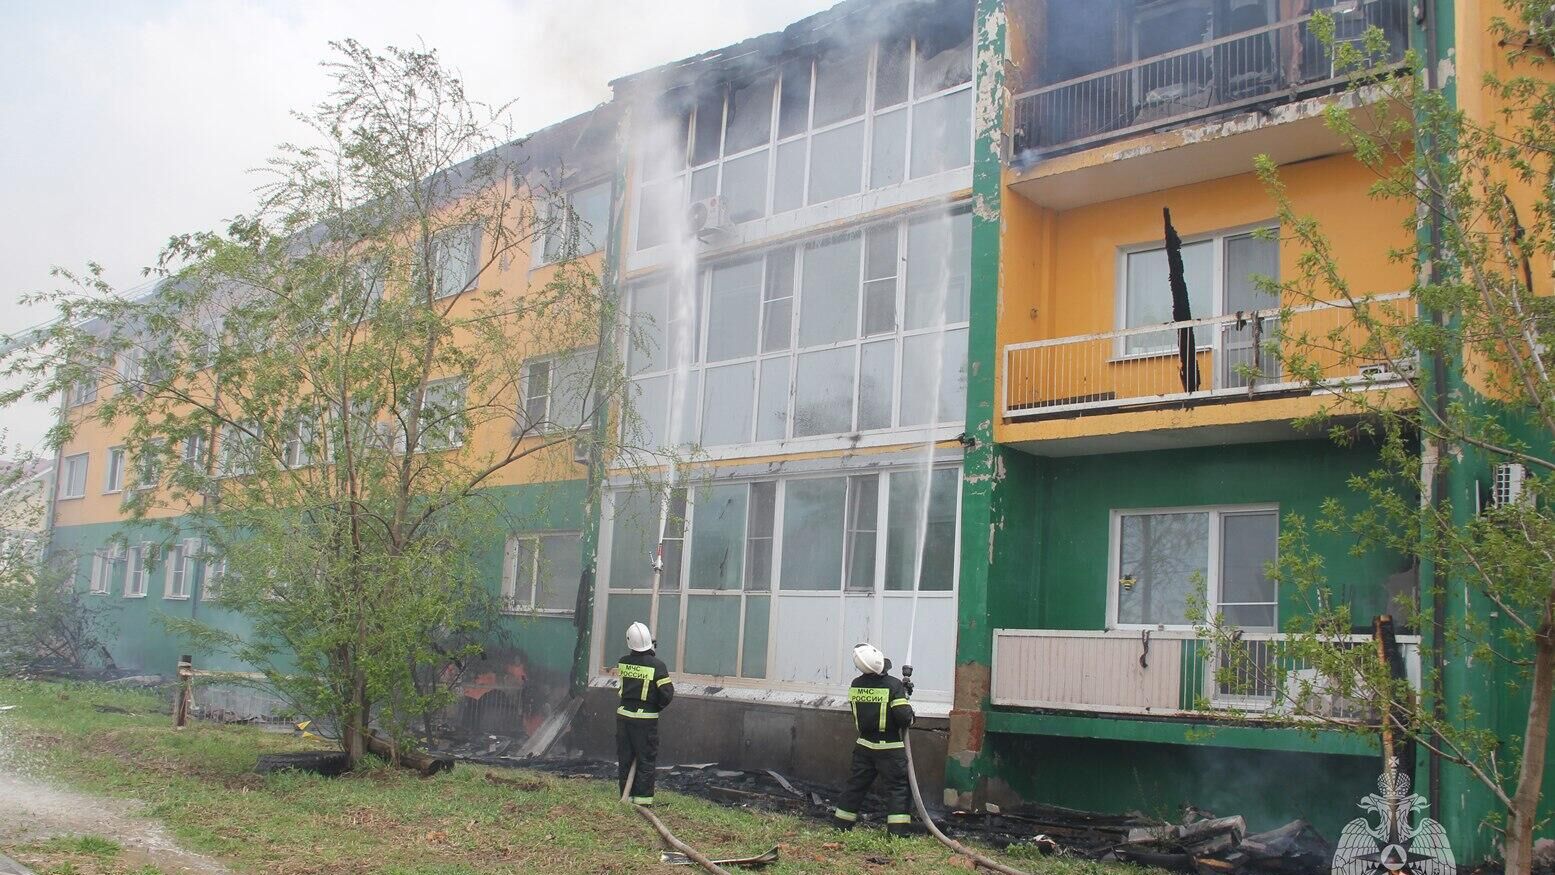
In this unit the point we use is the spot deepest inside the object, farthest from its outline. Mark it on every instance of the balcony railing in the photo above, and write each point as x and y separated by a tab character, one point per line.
1278	61
1235	358
1167	673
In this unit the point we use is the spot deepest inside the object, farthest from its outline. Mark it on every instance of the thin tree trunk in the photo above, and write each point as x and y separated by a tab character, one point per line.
1530	776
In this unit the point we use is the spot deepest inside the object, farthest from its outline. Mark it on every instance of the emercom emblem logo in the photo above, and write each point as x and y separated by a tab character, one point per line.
1403	841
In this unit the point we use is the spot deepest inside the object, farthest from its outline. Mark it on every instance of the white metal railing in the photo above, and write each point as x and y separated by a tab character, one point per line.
1254	65
1165	672
1235	356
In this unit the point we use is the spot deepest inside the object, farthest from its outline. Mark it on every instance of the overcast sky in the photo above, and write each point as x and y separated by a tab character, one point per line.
127	122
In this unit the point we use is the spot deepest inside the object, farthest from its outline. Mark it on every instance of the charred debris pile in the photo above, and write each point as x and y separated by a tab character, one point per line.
1202	843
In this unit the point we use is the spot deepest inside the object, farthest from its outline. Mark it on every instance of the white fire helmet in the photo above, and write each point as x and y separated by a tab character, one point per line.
638	637
868	658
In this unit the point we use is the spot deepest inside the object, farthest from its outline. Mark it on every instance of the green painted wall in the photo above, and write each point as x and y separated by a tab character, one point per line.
1062	583
540	646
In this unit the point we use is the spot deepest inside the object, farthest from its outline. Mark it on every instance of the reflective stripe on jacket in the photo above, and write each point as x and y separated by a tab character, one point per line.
645	686
880	710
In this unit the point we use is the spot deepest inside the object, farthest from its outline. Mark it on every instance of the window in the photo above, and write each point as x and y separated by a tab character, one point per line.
178	570
442	415
777	140
1220	272
113	481
856	332
541	572
192	451
140	557
72	476
215	575
456	259
101	580
83	391
779	573
559	392
239	449
578	224
1169	560
148	466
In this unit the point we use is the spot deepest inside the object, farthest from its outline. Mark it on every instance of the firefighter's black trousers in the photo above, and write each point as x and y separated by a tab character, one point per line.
638	739
891	767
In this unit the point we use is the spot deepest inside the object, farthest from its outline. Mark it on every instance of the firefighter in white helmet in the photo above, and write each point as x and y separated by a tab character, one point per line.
646	690
881	713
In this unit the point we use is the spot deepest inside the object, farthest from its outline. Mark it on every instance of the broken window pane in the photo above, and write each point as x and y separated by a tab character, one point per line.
877	384
750	116
709	123
942	134
634	531
788	187
733	306
906	517
944	53
888	149
891	72
836	162
829	304
727	404
772	400
934	378
839	86
813	533
794	103
718	537
863	516
745	187
1163	561
823	392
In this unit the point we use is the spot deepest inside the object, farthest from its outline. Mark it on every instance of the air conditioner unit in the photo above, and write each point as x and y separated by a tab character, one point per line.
709	219
1508	486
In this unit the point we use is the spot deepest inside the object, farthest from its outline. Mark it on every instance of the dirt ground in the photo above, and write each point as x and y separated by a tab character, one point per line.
32	810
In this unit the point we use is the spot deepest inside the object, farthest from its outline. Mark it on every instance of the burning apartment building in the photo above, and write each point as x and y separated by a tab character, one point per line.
897	322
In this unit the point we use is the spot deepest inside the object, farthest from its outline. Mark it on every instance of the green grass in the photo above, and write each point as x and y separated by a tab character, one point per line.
199	784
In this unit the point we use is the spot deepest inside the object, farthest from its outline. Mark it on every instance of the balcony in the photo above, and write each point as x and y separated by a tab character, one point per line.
1248	63
1234	360
1161	673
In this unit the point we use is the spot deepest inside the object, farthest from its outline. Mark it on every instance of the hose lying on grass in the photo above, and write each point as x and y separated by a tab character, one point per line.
947	841
664	831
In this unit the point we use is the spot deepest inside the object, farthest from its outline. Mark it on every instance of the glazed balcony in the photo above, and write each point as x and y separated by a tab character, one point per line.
1234	356
1180	62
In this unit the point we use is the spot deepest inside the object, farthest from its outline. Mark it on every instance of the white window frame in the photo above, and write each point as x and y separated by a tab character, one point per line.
65	463
149	451
682	590
113	478
464	427
900	336
563	227
466	236
178	570
81	392
1212	583
215	573
681	177
136	572
1217	240
101	580
191	450
512	602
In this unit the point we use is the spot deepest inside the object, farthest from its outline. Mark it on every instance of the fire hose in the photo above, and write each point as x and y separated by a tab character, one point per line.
928	822
664	831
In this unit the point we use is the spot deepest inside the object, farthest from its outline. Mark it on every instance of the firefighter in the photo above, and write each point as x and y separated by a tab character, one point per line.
646	691
881	713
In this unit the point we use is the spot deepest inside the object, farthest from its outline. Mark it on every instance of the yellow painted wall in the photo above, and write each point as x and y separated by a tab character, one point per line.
1060	276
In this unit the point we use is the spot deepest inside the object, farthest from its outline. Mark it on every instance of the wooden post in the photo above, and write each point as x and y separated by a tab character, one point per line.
185	691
